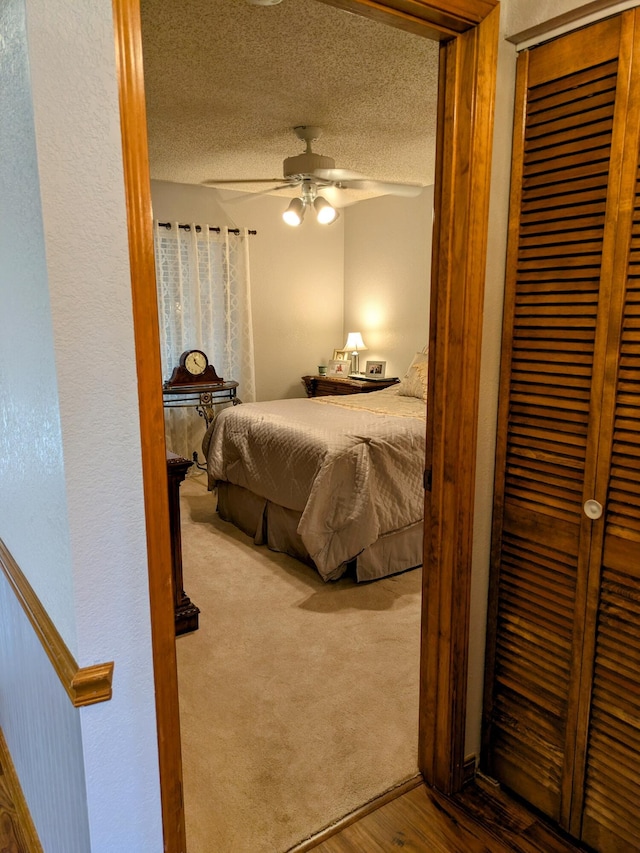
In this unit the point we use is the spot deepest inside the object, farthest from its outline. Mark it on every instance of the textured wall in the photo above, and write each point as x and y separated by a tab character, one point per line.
71	486
41	726
387	277
32	492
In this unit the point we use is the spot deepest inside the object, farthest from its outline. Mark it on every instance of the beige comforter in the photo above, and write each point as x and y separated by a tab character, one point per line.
352	465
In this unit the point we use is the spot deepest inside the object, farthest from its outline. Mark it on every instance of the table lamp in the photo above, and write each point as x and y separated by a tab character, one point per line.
354	345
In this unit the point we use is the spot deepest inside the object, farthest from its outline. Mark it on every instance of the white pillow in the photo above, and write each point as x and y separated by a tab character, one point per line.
414	382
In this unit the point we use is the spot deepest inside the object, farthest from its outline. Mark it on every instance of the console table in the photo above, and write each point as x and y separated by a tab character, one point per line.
203	397
324	386
186	612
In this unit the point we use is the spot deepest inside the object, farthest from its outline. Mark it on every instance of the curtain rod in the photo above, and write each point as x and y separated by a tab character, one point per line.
199	228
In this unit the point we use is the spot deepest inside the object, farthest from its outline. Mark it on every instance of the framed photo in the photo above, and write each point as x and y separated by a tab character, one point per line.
339	367
342	355
375	369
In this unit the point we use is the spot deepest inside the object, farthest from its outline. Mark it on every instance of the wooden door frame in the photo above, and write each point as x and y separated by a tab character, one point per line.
468	33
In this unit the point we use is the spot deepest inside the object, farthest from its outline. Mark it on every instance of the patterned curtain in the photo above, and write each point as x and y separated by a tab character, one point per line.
204	302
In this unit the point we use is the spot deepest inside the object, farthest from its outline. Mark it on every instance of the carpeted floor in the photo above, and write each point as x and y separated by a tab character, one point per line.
298	699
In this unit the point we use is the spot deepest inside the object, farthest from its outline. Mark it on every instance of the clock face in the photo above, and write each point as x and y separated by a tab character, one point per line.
195	362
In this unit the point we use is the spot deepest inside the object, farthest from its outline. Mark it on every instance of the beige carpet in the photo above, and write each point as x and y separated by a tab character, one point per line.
298	699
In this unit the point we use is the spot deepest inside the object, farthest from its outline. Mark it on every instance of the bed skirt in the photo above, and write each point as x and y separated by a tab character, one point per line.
277	527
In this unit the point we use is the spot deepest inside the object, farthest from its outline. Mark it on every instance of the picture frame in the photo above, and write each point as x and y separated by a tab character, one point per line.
339	367
342	355
375	369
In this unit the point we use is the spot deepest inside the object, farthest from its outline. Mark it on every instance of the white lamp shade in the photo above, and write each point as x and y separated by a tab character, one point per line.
294	214
325	214
354	342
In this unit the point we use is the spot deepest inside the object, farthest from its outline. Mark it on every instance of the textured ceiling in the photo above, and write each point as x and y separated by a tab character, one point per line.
227	81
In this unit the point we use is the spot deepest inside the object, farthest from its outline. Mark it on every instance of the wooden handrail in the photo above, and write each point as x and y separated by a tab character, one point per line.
85	685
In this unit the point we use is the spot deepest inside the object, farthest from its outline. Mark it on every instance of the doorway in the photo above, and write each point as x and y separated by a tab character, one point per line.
468	60
322	675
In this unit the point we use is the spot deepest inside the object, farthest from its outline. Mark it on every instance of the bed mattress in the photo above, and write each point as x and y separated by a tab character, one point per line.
346	471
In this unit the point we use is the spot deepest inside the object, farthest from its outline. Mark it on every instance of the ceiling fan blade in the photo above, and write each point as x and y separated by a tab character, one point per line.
245	195
383	187
215	182
293	184
338	175
336	196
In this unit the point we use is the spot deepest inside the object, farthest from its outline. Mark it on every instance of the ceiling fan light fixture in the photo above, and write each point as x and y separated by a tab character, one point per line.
294	214
325	213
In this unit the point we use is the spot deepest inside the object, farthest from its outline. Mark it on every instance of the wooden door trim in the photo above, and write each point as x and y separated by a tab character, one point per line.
468	73
133	124
435	19
465	127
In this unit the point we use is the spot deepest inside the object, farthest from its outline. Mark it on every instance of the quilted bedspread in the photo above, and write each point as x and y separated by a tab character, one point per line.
352	465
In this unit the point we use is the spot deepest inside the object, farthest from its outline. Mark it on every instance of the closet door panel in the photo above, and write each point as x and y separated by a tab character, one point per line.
611	820
562	715
546	447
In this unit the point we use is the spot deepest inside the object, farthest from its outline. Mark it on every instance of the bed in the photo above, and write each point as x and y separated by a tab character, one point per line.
336	482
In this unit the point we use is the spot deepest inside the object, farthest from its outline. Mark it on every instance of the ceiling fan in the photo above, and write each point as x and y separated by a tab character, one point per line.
315	172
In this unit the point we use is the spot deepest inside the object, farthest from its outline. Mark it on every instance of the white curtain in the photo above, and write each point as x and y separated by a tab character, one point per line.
204	302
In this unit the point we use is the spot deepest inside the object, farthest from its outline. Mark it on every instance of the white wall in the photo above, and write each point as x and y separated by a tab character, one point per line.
387	277
372	266
296	280
71	484
41	726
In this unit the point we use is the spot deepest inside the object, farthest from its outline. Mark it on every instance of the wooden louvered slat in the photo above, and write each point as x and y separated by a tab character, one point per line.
566	122
560	251
577	365
564	159
573	141
583	202
559	230
525	466
584	83
561	150
551	185
545	613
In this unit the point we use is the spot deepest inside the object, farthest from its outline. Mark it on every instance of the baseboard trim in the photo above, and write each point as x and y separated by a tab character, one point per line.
14	806
469	770
358	814
84	685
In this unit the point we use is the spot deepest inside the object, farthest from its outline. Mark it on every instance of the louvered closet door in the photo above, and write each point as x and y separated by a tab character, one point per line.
571	151
609	808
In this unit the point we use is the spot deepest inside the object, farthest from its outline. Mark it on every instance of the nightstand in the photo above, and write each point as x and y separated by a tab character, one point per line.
324	386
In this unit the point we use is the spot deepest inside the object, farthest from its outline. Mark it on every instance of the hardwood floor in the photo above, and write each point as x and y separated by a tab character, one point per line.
480	820
12	839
